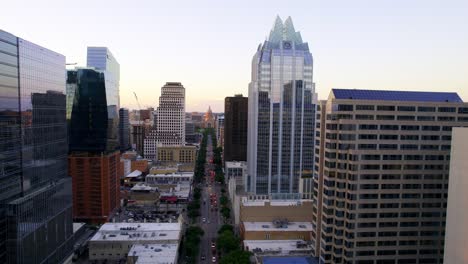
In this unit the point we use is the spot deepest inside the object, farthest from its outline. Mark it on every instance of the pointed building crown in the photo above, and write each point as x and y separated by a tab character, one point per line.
284	31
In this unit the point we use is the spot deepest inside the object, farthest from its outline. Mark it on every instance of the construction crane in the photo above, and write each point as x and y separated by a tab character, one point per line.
138	102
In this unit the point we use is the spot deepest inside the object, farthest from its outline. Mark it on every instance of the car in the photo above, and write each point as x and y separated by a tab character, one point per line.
213	259
213	245
203	219
203	257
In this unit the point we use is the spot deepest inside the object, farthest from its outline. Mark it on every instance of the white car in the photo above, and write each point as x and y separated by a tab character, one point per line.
203	219
213	259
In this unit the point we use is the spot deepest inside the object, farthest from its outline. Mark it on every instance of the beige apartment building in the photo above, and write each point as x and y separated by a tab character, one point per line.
381	175
177	154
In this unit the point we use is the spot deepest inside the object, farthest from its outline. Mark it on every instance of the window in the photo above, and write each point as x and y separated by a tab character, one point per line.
345	107
409	128
409	137
447	109
365	107
426	118
385	108
367	136
405	118
389	127
463	110
364	117
385	117
406	108
389	137
368	127
426	109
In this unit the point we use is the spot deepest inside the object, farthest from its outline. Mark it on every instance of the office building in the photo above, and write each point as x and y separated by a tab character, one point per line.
170	127
381	175
150	145
177	154
220	130
124	129
191	137
113	241
281	114
102	60
35	193
235	128
94	145
456	231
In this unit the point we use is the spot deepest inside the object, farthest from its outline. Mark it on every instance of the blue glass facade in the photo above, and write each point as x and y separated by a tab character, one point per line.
281	114
35	195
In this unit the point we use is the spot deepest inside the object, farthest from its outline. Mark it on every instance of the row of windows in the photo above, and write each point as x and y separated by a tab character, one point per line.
353	127
393	117
442	109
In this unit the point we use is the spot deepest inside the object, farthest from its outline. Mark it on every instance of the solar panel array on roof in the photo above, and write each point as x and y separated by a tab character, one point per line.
410	96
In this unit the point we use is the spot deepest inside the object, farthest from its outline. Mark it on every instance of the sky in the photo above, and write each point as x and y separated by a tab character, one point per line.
208	45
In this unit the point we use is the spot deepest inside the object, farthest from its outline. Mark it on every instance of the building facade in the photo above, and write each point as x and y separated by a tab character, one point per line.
170	128
281	114
102	60
235	128
177	154
220	130
94	145
35	194
456	233
124	129
150	148
381	175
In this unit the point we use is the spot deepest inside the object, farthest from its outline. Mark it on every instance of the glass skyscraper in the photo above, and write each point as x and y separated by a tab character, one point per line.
35	192
281	114
102	59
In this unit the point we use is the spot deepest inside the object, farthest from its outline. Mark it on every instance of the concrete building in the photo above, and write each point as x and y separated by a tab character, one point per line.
191	137
153	254
169	178
281	114
381	175
150	149
456	231
170	127
177	154
235	175
113	241
235	128
220	130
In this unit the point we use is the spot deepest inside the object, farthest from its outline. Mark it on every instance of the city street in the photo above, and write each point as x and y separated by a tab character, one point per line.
209	209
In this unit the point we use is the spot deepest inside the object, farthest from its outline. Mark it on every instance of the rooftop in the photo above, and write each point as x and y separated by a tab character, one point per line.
289	260
138	232
235	164
280	247
258	202
409	96
134	174
154	253
269	226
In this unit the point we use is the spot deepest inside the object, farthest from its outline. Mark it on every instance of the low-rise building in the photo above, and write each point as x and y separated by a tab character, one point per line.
280	229
113	241
178	154
153	254
172	178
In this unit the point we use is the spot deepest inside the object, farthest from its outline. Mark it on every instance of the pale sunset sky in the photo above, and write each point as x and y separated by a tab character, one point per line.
208	45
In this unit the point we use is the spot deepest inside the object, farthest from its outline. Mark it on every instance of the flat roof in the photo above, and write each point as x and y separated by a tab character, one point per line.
138	232
176	174
248	202
385	95
289	260
154	253
269	226
235	164
277	245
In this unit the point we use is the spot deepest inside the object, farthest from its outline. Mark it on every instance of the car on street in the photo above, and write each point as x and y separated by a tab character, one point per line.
213	245
203	219
203	257
213	259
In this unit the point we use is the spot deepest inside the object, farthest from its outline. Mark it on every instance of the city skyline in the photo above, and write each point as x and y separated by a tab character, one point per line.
420	45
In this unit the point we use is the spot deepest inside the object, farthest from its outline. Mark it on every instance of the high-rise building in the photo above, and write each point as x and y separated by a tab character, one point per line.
94	152
190	134
381	175
281	114
170	128
456	233
124	129
235	128
150	146
35	193
220	130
